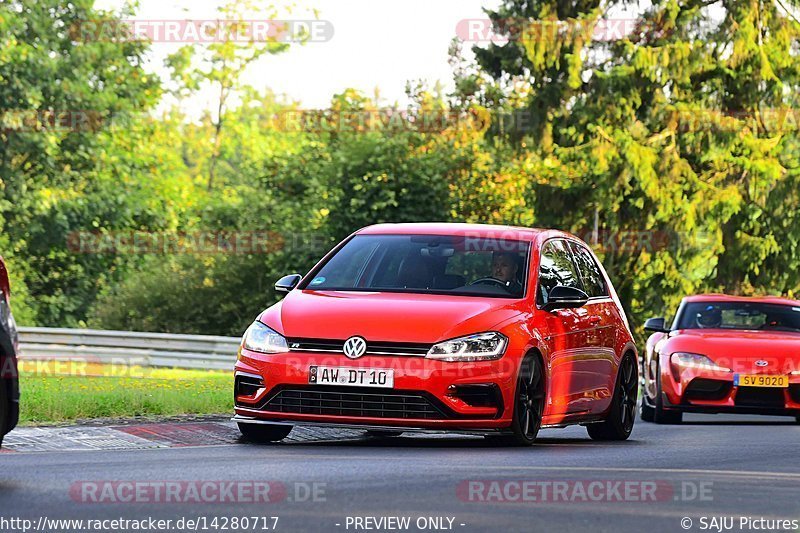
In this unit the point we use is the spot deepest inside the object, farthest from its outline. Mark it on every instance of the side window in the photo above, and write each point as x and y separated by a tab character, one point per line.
555	268
592	277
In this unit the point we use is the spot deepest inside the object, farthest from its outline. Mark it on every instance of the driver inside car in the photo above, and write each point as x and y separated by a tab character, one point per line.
505	268
710	318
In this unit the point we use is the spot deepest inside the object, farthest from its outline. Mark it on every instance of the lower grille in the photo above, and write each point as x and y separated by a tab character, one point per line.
354	403
246	385
478	395
759	397
794	392
707	389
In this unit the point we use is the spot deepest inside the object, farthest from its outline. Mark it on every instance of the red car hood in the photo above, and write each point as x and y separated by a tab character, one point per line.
391	317
739	350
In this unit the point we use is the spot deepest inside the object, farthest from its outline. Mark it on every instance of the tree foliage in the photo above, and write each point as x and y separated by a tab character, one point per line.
675	130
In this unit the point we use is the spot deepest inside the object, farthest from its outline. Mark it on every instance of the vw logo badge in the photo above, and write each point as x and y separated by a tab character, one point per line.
761	362
355	347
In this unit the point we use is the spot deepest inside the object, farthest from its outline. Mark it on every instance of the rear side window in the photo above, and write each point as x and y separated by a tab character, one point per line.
556	268
593	281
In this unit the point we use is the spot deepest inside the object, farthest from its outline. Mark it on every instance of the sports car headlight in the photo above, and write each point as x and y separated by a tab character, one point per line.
263	339
694	360
479	347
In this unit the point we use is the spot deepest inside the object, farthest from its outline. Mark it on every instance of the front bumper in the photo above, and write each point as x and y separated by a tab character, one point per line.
715	392
427	394
239	419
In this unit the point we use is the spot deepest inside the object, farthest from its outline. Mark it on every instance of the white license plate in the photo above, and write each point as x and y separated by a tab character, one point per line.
351	377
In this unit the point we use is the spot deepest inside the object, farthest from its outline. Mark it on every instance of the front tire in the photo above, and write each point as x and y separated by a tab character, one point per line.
4	411
622	413
647	412
661	415
529	398
264	433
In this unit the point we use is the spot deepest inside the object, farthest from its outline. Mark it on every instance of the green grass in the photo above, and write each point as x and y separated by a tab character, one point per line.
62	398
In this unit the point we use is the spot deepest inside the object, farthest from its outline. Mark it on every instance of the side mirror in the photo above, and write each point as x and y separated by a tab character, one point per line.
562	297
656	325
287	283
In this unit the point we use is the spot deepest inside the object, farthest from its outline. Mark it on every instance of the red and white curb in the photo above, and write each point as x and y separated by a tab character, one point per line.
147	436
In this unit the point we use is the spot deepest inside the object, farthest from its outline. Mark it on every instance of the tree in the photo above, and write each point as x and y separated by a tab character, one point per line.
221	64
669	133
60	88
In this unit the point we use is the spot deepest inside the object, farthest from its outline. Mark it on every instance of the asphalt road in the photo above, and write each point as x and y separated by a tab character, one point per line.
711	466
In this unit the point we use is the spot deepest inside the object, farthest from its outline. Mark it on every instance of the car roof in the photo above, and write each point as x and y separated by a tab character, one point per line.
702	298
459	229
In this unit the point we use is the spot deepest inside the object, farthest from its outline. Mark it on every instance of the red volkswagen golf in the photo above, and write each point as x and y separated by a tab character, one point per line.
723	354
450	327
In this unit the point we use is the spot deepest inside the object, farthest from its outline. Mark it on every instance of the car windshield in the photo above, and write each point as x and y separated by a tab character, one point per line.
740	315
468	266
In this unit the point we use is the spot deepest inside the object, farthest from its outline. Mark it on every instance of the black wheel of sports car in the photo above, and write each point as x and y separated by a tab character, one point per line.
4	410
622	414
647	412
661	415
529	401
262	433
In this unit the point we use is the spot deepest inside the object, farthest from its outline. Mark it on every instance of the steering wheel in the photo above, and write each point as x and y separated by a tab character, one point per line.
489	281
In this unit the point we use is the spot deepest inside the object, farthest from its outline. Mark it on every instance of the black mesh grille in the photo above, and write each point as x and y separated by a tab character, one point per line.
247	385
708	389
760	397
373	347
478	395
354	403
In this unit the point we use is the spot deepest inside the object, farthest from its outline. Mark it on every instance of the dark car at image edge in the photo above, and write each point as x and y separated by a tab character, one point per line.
9	347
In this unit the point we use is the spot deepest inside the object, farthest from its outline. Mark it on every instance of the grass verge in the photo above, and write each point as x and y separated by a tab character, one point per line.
50	398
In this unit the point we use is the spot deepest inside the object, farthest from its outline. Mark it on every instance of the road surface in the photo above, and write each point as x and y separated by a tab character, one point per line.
742	469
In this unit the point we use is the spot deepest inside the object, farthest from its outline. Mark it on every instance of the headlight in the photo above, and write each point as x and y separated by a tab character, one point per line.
693	360
260	338
479	347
